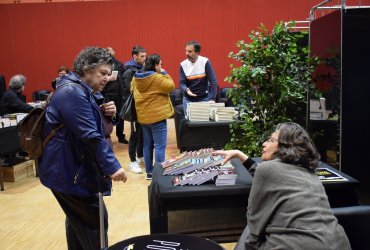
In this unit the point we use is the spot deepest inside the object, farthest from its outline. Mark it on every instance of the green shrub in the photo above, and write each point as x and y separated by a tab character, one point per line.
271	84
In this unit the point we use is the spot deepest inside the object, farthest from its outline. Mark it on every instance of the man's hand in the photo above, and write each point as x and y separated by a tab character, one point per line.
188	91
109	109
120	175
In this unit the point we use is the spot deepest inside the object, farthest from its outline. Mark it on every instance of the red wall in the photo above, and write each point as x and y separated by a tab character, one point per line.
37	38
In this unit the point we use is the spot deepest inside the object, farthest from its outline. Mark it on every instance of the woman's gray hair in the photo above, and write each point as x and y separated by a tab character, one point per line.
17	82
90	58
296	147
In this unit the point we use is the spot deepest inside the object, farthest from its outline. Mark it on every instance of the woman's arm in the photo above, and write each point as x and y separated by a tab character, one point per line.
167	85
230	154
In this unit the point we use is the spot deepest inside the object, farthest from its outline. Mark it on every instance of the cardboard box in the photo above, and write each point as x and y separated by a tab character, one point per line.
19	171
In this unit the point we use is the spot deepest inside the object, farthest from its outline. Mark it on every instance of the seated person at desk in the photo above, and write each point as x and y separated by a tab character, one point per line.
11	101
287	206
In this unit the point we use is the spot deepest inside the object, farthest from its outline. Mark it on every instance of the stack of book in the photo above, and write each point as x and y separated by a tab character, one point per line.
225	114
227	176
198	111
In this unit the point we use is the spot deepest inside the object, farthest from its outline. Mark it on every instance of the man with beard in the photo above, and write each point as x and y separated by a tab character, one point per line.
197	77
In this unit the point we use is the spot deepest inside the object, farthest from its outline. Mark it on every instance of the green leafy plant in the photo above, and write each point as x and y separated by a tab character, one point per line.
271	84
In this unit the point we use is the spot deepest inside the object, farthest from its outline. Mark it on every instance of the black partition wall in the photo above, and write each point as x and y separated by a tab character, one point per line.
342	40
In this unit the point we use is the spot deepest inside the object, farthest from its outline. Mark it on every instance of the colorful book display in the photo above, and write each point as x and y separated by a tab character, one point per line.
198	167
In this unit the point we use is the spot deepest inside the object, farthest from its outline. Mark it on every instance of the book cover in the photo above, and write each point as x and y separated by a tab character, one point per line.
326	174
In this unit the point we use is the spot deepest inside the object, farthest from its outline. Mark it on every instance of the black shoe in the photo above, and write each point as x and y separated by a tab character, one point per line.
122	140
148	176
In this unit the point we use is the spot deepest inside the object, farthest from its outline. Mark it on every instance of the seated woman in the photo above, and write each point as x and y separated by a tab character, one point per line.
62	71
287	206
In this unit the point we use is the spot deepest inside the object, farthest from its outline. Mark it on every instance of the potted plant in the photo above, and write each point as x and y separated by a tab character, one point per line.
271	83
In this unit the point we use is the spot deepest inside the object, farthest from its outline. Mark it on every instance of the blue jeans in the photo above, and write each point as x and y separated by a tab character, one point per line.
185	102
155	137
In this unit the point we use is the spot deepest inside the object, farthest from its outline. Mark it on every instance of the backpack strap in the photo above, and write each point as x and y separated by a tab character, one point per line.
52	134
54	131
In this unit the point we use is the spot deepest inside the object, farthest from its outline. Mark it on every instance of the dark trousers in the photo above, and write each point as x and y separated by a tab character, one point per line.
135	144
82	221
119	129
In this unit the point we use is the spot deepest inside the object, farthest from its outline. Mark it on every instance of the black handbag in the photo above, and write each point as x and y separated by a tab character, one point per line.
128	111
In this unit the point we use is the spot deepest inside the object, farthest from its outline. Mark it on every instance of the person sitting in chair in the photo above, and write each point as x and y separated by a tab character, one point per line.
287	206
12	102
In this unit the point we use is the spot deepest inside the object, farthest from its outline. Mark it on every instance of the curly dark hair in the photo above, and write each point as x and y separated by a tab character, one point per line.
90	58
296	147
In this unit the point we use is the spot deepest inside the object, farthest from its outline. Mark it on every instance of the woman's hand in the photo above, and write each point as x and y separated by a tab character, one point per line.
119	175
229	154
109	109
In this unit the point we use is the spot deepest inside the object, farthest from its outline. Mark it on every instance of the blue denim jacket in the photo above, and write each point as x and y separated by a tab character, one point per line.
77	157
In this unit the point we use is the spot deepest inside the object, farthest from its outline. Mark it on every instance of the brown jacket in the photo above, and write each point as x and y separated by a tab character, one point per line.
151	94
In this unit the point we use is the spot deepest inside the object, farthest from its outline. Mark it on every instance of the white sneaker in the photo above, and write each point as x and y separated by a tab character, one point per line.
141	162
134	167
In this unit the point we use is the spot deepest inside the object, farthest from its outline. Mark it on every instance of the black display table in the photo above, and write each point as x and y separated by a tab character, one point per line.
167	241
218	212
214	212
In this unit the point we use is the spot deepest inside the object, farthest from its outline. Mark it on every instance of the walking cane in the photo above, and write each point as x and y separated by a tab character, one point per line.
103	240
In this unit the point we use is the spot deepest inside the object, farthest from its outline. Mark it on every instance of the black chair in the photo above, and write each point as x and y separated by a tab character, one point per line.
222	97
40	95
2	86
176	97
356	223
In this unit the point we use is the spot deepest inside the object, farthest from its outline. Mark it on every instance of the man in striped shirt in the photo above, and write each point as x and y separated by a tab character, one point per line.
197	77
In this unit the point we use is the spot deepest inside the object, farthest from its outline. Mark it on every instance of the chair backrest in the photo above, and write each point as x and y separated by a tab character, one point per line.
176	97
356	223
222	97
40	95
2	86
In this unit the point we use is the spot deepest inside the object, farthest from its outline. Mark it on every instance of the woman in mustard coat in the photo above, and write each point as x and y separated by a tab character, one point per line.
153	106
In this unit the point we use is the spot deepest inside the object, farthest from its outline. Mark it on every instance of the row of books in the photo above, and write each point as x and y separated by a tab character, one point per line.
194	155
9	120
204	111
198	167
